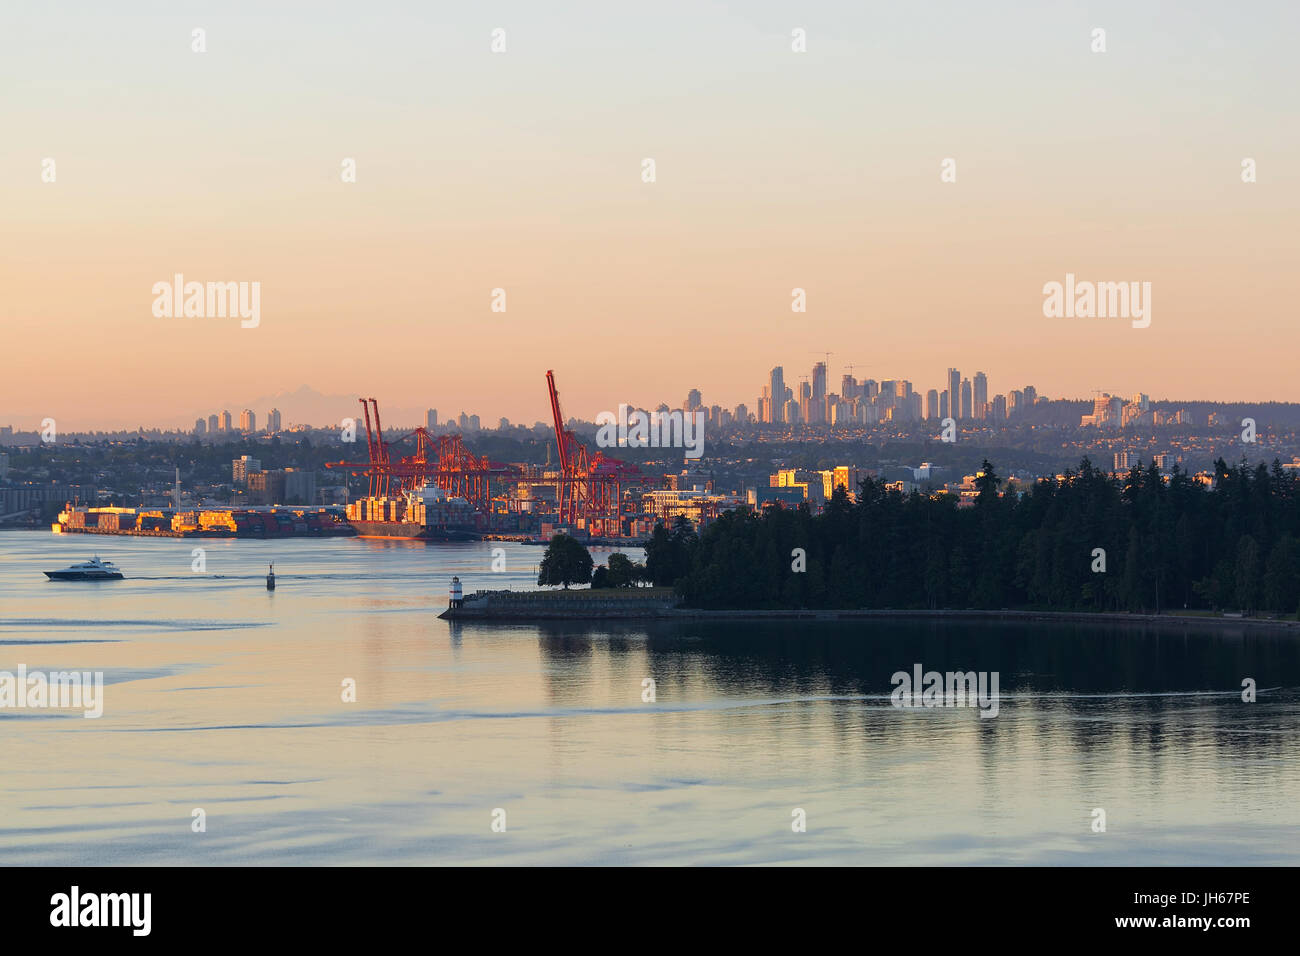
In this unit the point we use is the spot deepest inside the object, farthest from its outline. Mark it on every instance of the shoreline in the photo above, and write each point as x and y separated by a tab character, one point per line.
610	611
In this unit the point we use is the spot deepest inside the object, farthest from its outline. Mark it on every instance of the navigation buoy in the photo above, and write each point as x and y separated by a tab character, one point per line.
270	577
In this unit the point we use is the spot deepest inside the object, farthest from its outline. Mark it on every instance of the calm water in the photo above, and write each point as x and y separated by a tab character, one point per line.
225	697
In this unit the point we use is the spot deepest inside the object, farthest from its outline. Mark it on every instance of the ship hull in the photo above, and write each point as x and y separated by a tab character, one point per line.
81	576
408	529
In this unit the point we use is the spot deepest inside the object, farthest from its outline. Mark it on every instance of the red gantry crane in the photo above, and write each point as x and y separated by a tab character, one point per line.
442	460
590	487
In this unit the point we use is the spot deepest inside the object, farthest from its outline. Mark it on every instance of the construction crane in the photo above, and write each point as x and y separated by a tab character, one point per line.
590	486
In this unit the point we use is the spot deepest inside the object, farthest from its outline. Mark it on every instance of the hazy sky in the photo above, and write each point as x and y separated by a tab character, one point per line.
522	170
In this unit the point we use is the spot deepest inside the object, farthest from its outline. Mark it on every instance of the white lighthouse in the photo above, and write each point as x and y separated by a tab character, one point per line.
455	593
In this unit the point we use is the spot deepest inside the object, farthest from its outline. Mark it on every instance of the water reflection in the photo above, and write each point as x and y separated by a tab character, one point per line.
219	696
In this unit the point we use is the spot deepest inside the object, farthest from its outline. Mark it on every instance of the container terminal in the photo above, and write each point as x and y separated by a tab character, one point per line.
431	487
422	485
245	522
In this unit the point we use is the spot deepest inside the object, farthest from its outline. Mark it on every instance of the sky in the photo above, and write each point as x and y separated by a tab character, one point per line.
522	170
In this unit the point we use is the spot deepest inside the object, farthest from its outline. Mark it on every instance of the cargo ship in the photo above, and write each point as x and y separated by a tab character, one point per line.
411	529
427	514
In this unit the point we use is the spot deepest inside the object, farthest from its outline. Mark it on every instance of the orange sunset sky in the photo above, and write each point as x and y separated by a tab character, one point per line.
522	170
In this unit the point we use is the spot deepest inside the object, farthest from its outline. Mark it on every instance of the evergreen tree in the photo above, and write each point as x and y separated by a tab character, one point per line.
1167	541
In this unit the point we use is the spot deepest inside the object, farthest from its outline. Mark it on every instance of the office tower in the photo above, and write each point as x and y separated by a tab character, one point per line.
200	426
981	394
954	393
247	421
213	424
932	405
242	467
965	399
999	408
225	421
299	486
693	400
790	414
817	399
1015	399
870	389
431	419
943	404
742	414
1031	395
776	390
273	420
463	421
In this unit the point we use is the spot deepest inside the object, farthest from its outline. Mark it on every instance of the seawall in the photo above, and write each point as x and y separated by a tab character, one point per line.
627	605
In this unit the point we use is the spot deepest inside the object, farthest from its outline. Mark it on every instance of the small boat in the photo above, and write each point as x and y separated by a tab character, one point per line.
92	570
270	578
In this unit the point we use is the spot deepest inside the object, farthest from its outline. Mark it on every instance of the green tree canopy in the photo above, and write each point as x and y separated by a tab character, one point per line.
565	562
1140	541
621	572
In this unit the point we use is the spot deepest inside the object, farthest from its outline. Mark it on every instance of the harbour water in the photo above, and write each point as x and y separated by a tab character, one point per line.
223	697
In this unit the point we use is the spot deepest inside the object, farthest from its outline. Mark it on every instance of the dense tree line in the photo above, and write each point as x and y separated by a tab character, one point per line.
1090	541
567	561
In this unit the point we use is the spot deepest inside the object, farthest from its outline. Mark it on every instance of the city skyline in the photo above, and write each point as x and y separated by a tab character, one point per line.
238	417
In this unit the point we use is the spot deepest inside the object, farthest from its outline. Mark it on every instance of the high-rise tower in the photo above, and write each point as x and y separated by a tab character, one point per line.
817	400
776	393
981	395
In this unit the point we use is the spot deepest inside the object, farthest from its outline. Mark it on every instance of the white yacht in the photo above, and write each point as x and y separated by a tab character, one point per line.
92	570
